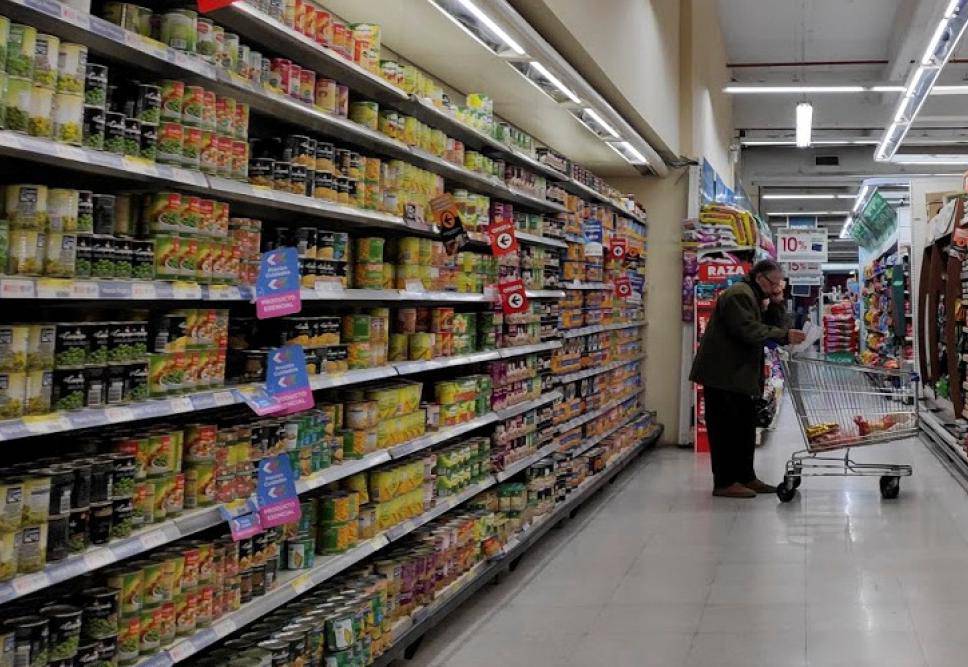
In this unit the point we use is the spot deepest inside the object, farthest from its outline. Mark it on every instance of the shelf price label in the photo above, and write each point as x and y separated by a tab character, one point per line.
801	245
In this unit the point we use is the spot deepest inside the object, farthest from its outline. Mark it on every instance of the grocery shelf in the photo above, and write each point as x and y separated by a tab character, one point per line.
536	239
594	440
200	519
59	422
409	630
598	370
599	328
526	462
102	163
589	416
544	294
23	287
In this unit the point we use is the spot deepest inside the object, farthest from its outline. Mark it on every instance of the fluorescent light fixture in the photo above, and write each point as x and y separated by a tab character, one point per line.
861	198
950	90
628	152
939	31
777	214
495	29
804	124
791	90
814	142
887	89
942	158
543	71
807	195
601	122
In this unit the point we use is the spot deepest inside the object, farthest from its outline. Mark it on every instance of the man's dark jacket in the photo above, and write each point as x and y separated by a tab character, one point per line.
730	356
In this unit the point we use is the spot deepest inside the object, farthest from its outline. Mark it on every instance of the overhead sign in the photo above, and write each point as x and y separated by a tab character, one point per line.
802	222
801	245
804	273
719	272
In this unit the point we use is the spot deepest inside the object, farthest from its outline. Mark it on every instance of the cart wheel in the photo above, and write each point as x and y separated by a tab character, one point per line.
796	480
786	491
890	487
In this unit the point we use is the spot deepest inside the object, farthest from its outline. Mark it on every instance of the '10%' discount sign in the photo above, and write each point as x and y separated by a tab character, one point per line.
801	245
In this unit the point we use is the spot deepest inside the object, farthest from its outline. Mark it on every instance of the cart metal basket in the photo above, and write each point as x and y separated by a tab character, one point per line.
840	407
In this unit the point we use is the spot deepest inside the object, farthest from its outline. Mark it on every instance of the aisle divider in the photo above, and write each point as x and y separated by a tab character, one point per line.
200	519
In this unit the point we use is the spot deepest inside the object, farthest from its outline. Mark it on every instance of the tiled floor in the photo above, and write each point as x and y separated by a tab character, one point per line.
657	572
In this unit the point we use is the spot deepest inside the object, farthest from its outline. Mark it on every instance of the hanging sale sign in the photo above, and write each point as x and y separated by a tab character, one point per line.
618	247
277	285
804	273
801	245
276	492
622	287
211	5
502	238
447	217
287	380
513	297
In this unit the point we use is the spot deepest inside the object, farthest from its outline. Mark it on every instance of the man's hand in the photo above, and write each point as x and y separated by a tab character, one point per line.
795	336
764	304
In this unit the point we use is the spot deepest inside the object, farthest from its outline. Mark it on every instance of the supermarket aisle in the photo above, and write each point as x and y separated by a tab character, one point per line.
657	572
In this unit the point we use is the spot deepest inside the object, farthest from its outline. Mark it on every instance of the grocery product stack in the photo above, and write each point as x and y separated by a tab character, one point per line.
840	335
444	435
886	328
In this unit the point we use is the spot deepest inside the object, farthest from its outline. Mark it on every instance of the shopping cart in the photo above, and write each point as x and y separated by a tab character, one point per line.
840	407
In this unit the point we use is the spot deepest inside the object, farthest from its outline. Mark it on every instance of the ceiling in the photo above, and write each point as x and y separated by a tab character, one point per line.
833	42
421	34
806	30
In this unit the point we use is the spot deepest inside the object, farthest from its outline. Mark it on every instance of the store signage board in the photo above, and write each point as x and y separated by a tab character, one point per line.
514	300
804	273
277	285
802	222
500	234
276	492
716	272
801	245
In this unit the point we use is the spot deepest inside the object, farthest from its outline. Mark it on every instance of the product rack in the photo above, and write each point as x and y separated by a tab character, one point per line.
108	41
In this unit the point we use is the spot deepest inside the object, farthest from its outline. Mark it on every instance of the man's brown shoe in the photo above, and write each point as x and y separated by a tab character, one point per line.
735	490
760	487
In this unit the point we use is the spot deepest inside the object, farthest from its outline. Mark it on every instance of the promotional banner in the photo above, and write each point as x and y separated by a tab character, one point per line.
502	238
592	232
287	380
277	286
718	272
243	521
513	297
276	492
804	273
801	245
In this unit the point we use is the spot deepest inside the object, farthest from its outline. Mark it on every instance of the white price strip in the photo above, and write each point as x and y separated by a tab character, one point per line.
53	288
13	288
224	628
142	291
801	245
181	651
223	398
40	424
99	558
153	539
118	415
179	405
187	291
84	289
302	583
29	583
